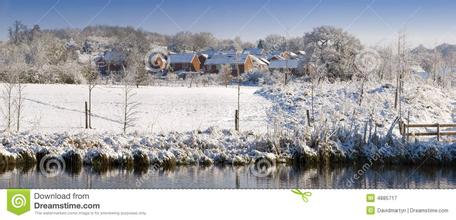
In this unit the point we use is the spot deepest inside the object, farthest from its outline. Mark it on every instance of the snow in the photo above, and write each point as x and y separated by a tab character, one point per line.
60	108
258	62
181	58
338	104
194	125
419	71
282	64
220	59
254	51
209	146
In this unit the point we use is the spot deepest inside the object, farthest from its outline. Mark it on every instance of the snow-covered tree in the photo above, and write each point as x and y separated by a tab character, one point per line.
203	40
275	42
332	50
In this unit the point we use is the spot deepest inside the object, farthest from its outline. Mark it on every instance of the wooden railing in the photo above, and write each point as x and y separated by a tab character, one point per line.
406	133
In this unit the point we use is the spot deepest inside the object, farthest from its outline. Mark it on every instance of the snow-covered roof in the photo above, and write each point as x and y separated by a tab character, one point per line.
231	58
281	64
264	60
254	51
181	58
258	61
209	51
292	54
204	55
275	56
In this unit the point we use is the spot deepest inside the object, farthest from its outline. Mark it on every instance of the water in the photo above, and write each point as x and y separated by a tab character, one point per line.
222	177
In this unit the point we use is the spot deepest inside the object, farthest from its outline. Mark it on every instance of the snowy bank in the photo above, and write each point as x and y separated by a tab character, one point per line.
197	147
215	146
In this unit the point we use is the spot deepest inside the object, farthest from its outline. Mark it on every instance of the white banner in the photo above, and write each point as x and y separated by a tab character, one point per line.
228	204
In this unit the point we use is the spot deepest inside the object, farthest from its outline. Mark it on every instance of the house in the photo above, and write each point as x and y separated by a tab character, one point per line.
215	63
209	52
112	61
202	57
272	57
285	65
184	62
259	63
289	55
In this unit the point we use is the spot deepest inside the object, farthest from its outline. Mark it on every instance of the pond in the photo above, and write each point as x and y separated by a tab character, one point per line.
233	177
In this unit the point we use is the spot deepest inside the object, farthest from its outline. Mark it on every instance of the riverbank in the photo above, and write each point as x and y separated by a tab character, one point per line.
214	146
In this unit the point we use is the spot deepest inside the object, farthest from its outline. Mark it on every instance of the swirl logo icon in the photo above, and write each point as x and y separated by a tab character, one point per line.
18	201
52	166
262	167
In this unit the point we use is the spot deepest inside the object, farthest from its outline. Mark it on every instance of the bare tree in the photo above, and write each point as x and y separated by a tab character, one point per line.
91	76
436	64
19	102
8	101
129	105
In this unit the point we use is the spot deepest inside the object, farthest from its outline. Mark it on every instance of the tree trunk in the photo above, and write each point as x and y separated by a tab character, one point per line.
90	107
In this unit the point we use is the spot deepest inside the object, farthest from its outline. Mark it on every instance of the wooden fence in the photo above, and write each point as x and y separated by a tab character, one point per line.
406	133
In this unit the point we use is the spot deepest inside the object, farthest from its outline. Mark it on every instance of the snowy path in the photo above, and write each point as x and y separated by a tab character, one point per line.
59	108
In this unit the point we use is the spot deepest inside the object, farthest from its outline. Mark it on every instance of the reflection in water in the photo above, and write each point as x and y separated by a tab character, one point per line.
234	177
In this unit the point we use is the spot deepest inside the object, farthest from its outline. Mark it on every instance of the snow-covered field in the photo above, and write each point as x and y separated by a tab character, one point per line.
60	108
336	134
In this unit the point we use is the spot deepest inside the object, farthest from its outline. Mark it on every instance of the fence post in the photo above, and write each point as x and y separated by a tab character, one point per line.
86	116
236	120
438	132
408	127
308	117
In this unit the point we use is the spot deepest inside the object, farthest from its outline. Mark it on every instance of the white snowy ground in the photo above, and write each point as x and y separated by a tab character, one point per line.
60	108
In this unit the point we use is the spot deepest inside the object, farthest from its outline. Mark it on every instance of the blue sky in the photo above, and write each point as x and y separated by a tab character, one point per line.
427	22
